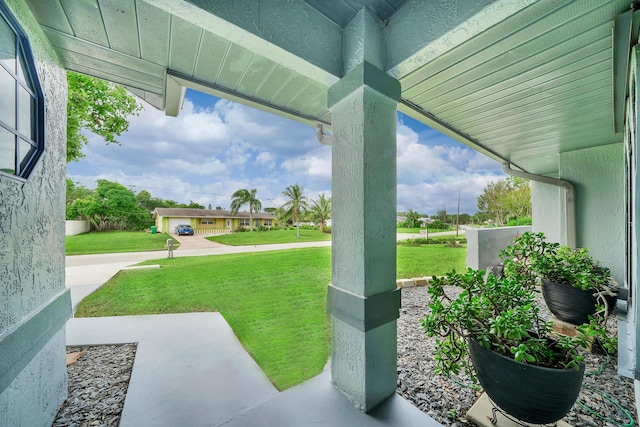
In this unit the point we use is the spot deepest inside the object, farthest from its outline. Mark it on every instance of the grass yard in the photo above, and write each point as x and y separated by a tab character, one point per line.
275	302
429	260
106	242
269	237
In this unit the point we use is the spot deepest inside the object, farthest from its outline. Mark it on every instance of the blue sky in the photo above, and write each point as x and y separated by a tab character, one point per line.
215	147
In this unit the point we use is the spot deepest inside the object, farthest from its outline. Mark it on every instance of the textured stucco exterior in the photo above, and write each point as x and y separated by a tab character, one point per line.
598	178
484	244
363	107
32	227
548	211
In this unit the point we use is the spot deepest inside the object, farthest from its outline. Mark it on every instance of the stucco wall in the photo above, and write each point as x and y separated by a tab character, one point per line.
33	299
73	228
598	178
484	244
548	211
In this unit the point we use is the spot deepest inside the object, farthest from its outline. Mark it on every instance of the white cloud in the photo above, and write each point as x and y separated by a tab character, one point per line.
316	164
215	147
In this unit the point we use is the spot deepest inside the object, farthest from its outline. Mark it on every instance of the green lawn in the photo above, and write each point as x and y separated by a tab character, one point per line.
115	241
429	260
275	302
269	237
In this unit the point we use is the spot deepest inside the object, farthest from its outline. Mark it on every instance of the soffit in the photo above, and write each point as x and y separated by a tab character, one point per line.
135	43
521	80
537	84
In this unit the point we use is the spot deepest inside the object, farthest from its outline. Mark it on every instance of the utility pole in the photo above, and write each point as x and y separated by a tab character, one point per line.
458	215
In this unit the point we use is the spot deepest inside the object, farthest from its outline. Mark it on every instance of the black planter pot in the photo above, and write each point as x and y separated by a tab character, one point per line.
529	393
570	304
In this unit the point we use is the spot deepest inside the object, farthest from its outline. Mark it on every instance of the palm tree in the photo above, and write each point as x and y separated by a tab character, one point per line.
296	203
321	210
243	197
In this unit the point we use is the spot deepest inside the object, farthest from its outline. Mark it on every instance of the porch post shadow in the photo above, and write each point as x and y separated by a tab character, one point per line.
363	299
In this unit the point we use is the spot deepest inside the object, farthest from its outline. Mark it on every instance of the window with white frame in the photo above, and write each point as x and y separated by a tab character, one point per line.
244	222
267	223
22	105
207	221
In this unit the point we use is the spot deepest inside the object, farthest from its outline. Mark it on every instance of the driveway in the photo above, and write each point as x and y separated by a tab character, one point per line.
195	242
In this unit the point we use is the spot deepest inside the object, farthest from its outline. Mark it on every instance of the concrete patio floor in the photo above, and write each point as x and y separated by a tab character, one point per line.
190	370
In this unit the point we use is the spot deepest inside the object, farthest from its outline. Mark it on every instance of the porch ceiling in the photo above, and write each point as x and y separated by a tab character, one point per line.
520	80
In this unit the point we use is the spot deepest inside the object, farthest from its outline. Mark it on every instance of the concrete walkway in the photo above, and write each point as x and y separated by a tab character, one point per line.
190	369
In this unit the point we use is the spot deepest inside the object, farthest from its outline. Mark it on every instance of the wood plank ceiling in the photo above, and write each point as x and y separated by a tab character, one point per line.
537	83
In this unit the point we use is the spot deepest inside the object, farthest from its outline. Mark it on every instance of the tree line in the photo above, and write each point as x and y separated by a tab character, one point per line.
504	202
296	209
112	206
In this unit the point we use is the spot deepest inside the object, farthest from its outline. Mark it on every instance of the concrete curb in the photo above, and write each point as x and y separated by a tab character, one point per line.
415	281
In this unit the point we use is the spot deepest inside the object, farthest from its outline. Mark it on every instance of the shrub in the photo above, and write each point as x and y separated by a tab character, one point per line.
438	225
448	240
520	221
327	230
241	229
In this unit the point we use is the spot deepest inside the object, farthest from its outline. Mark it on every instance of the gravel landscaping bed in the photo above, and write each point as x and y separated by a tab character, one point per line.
98	383
448	400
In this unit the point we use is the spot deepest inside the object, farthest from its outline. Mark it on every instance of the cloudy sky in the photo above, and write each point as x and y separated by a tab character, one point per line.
215	147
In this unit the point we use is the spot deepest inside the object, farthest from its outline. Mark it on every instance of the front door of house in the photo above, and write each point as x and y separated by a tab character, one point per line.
228	224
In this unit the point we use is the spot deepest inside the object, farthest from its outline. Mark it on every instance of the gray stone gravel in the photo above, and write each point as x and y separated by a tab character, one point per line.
98	384
448	400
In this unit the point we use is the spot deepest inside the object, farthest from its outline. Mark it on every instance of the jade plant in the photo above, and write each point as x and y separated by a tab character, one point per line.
500	313
531	258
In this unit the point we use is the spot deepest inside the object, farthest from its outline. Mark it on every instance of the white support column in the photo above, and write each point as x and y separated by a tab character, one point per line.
363	298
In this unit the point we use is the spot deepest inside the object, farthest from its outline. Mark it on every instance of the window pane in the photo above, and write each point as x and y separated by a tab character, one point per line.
22	75
7	152
25	153
8	104
26	117
7	45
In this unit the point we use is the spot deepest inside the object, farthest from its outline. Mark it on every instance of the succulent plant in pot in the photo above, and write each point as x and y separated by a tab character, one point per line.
493	331
575	287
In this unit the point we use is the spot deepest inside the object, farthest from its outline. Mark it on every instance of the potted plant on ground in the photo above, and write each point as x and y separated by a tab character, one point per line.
492	330
575	287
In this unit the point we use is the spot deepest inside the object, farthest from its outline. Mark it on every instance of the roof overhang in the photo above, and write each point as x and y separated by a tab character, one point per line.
521	81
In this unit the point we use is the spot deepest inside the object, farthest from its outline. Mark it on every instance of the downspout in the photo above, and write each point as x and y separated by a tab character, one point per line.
570	205
323	137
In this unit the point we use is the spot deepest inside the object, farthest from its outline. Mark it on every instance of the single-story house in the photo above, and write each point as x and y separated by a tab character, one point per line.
548	88
208	220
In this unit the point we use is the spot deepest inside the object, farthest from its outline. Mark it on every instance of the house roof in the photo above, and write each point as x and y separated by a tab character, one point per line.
520	80
208	213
